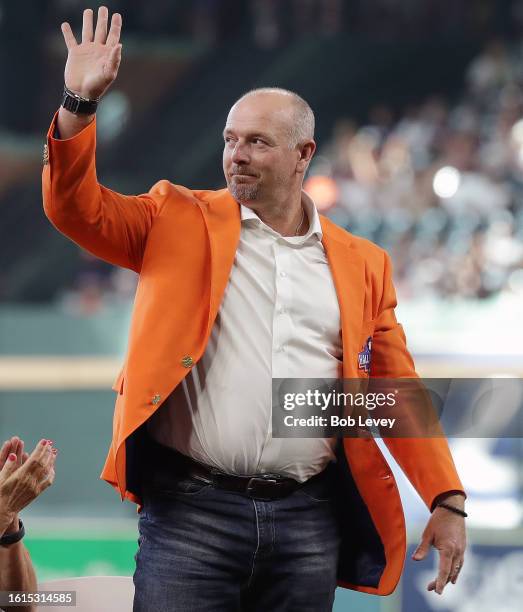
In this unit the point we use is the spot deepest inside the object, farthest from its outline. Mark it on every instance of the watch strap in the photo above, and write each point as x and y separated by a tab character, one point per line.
16	536
78	105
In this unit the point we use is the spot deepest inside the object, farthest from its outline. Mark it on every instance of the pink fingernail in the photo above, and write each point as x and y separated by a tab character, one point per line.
12	457
43	442
55	451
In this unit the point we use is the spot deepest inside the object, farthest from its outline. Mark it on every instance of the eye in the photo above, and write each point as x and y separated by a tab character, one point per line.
258	141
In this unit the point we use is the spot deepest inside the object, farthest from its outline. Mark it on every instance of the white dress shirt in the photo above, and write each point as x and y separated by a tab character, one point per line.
279	318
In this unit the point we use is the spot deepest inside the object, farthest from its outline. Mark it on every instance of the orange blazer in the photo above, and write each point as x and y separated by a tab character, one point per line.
182	242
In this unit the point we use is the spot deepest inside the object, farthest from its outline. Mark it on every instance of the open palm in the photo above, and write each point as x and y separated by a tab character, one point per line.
93	64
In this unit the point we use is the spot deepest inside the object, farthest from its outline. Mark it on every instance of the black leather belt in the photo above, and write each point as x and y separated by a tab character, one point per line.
258	486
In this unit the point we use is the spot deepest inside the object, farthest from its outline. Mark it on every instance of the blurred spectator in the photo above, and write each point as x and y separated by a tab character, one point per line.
97	284
267	22
491	70
442	186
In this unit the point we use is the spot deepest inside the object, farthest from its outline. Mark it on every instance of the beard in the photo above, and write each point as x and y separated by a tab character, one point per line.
244	192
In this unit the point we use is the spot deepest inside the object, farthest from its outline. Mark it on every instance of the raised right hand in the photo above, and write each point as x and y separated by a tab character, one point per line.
93	64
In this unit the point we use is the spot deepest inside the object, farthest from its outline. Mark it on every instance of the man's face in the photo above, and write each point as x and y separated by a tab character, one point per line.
258	163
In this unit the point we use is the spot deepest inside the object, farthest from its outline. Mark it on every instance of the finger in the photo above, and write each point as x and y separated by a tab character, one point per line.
25	457
432	584
49	474
50	478
114	33
100	33
4	451
70	40
457	565
15	441
87	26
445	561
10	448
9	466
114	61
19	452
36	465
422	550
39	451
45	461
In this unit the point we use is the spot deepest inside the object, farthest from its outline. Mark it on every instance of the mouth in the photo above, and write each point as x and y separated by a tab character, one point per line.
241	176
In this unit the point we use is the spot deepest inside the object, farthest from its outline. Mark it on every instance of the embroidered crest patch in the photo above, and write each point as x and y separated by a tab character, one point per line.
364	356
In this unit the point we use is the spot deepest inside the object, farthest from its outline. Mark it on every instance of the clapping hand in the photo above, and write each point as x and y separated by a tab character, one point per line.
23	477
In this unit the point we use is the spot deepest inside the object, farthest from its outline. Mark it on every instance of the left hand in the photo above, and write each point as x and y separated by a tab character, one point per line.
446	532
23	478
15	446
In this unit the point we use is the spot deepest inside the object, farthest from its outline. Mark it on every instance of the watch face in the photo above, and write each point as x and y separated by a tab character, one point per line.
71	104
78	106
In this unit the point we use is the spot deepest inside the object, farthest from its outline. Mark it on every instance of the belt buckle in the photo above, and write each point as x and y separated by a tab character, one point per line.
261	479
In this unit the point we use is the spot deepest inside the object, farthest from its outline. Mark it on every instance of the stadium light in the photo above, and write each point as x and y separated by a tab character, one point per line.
446	182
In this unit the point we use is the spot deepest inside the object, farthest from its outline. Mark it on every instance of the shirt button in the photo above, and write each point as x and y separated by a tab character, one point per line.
156	399
283	274
281	348
281	310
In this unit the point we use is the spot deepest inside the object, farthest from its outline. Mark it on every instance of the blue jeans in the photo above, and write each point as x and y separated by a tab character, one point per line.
203	549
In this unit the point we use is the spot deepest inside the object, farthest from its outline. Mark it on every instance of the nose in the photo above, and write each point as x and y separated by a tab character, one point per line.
240	154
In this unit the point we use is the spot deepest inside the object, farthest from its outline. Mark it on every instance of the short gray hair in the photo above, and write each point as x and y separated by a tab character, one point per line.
302	127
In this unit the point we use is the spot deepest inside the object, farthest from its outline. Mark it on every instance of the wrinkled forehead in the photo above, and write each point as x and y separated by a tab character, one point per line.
258	114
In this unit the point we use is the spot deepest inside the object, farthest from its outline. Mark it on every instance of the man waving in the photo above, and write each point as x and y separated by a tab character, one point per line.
237	287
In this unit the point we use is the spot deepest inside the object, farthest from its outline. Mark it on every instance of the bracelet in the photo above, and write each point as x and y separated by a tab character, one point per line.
12	538
452	509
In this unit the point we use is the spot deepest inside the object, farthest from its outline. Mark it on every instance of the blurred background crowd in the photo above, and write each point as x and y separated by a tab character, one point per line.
419	109
440	183
423	153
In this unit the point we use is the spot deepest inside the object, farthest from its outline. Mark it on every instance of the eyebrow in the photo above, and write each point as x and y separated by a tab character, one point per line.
228	131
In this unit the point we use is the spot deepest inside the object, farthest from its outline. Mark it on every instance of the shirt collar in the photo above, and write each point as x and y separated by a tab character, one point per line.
310	210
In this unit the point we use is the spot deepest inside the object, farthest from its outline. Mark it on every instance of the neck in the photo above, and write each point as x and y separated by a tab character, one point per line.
288	219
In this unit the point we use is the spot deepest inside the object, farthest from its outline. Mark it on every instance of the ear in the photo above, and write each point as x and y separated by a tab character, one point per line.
306	151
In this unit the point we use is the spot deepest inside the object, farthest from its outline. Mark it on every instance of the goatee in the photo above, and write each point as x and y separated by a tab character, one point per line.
244	192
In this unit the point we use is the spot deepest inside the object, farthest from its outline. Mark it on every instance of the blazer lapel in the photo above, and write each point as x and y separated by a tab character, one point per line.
348	272
222	218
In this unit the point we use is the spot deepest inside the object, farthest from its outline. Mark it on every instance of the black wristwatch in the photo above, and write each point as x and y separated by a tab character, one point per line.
12	538
78	105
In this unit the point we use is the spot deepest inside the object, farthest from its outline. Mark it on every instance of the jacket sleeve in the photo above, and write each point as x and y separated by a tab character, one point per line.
111	226
426	461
